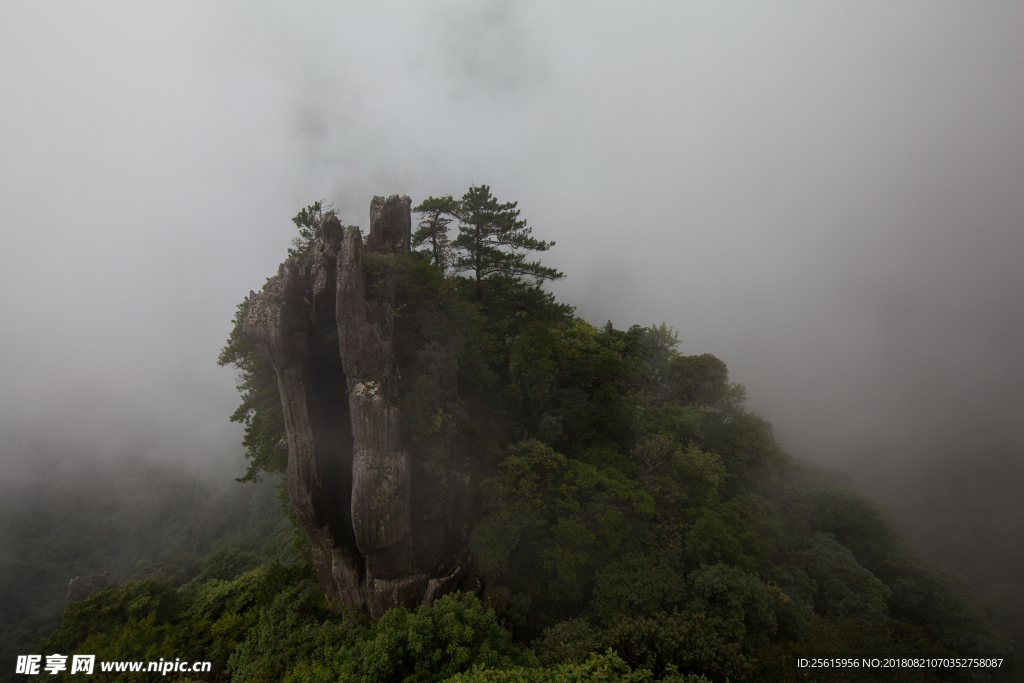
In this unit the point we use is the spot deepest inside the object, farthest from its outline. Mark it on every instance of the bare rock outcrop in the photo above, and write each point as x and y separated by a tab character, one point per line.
80	587
381	534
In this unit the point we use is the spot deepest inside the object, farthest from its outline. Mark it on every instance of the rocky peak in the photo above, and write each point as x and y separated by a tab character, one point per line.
390	224
381	535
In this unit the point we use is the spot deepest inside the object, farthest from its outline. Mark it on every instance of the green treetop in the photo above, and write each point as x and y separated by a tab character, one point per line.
493	242
308	222
437	213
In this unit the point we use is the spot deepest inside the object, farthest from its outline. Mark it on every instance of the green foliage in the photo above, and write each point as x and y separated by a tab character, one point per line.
493	242
436	214
659	642
272	624
932	597
572	640
1004	605
608	667
711	540
266	441
434	642
308	222
826	637
564	375
651	351
747	446
704	474
870	531
844	589
107	610
117	516
687	641
701	380
917	589
638	585
135	622
294	638
225	622
552	516
738	605
439	337
227	564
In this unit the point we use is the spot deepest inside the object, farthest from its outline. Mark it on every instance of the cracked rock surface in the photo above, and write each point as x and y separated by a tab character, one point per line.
381	535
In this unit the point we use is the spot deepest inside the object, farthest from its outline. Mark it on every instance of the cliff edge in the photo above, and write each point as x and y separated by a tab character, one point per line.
381	535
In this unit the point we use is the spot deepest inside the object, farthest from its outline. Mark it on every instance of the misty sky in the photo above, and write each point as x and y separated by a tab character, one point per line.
827	196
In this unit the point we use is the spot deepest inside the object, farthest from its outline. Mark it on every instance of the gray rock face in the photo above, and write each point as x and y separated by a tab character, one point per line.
390	224
80	586
381	535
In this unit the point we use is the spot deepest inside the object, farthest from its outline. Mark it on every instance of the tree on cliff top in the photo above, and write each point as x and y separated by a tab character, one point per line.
437	213
494	242
308	222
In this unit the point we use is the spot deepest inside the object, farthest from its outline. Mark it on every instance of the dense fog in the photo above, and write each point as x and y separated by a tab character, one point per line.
827	197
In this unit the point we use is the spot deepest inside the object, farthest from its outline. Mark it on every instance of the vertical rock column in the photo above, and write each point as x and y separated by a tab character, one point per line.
381	514
327	327
286	324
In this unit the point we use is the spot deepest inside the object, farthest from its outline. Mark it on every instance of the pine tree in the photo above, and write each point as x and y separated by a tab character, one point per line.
494	242
437	213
